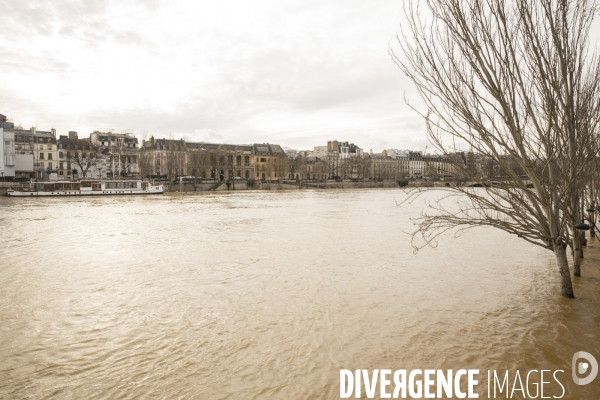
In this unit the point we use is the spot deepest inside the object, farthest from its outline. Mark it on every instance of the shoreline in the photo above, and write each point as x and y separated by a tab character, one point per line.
243	185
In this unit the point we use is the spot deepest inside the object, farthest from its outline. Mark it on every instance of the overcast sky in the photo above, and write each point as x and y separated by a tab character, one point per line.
294	72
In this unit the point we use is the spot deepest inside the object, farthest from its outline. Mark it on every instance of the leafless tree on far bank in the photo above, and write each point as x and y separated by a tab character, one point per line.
145	162
84	155
514	82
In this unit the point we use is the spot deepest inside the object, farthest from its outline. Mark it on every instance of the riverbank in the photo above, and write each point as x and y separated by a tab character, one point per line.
243	184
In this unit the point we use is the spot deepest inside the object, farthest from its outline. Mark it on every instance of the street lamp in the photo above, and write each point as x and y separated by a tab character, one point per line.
591	219
582	226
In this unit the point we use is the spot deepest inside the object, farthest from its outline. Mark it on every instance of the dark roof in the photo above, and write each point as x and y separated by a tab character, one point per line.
167	144
44	137
4	123
217	146
112	137
266	149
67	143
312	160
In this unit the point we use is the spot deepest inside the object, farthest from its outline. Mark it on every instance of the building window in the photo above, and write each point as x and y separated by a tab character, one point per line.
41	165
61	154
41	156
49	156
60	165
49	165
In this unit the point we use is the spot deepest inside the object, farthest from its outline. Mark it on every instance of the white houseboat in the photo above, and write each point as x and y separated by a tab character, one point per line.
87	188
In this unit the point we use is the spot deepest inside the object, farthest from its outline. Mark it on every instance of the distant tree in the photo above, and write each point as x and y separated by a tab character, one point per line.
83	155
292	155
198	163
145	162
123	157
176	155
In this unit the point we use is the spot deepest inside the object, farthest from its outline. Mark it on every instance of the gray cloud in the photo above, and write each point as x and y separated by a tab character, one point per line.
297	73
83	19
18	62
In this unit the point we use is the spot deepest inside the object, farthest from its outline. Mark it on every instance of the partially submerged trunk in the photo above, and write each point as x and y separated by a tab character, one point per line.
577	254
566	286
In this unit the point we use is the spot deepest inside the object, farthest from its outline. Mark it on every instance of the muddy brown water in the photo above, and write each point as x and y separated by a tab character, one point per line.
267	295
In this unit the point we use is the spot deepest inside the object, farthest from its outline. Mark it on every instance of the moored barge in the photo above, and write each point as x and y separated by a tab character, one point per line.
87	188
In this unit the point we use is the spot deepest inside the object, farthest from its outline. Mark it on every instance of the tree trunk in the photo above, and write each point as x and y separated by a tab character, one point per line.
576	254
566	286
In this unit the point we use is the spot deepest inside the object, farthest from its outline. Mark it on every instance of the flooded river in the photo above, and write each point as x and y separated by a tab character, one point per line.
267	295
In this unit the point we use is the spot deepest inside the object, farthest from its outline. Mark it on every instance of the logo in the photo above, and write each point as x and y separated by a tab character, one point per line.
581	367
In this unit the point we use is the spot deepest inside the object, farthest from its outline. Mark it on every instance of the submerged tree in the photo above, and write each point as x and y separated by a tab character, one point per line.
512	81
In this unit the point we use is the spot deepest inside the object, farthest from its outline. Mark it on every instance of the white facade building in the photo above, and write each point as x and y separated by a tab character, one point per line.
416	164
122	152
7	149
319	151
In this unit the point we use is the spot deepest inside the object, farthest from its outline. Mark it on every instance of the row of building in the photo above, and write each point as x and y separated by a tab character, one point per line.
31	153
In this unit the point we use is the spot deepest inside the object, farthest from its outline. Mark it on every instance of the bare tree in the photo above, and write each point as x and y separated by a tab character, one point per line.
82	154
123	157
300	167
145	162
292	155
511	81
281	166
198	163
176	155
